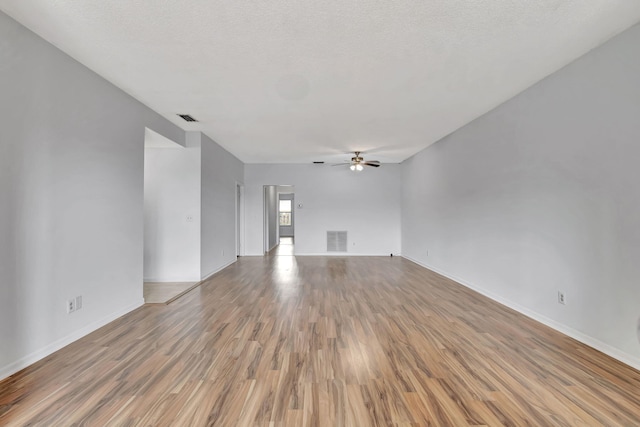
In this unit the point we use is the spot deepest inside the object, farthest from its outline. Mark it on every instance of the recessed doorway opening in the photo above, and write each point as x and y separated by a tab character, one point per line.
279	220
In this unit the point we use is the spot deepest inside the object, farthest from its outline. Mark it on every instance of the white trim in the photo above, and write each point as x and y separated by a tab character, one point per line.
265	221
332	254
342	254
206	276
37	355
171	279
240	219
595	343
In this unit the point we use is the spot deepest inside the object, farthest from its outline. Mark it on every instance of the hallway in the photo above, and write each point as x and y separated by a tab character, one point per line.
284	248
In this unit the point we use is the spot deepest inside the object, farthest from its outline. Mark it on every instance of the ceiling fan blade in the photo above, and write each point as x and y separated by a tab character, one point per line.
373	163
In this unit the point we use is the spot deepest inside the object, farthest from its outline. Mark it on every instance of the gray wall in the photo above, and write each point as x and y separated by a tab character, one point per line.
71	191
365	204
220	173
542	194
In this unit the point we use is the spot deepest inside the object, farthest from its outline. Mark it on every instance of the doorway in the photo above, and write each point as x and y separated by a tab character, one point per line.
171	249
279	219
286	216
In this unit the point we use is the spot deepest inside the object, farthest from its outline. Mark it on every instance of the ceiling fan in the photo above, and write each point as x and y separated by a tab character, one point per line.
357	163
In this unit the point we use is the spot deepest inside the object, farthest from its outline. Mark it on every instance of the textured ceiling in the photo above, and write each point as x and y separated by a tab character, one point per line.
296	81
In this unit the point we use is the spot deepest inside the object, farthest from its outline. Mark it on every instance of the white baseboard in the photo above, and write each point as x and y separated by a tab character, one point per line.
206	276
37	355
605	348
341	254
330	254
171	279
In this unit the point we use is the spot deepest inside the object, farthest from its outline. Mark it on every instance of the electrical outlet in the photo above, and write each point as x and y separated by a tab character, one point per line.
189	218
561	298
71	306
78	302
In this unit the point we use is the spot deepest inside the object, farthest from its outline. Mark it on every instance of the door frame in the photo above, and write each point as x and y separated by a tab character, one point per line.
240	235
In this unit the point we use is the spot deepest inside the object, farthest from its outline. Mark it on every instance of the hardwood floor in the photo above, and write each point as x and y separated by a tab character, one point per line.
284	248
165	292
319	341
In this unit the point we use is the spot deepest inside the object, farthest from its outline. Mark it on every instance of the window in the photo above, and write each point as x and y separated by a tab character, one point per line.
285	212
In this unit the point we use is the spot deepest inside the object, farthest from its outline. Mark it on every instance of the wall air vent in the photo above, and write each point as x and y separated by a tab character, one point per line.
187	118
336	241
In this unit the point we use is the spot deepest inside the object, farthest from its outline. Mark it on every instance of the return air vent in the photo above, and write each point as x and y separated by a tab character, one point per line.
336	241
187	118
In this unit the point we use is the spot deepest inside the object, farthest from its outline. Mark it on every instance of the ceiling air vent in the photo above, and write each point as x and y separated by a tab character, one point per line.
187	118
336	241
318	163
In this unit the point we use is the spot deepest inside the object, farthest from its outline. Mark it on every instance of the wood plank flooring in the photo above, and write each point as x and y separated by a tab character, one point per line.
165	292
324	341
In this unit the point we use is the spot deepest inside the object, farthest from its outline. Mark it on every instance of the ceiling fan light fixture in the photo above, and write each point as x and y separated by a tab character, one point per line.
357	163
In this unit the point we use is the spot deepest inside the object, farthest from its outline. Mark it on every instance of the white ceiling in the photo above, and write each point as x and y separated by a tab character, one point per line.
299	80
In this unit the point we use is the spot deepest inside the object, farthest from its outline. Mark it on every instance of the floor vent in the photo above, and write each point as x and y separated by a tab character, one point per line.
336	241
